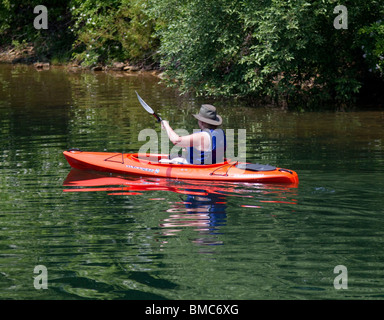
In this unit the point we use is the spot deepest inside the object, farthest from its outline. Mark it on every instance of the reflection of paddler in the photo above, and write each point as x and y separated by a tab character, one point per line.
213	204
205	211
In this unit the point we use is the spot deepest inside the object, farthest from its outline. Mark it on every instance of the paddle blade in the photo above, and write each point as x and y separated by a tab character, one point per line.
145	106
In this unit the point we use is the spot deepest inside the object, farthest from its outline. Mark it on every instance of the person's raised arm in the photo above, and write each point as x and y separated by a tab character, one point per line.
199	140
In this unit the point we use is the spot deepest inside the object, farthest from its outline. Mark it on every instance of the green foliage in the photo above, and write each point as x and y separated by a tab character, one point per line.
373	46
112	30
5	8
287	50
19	46
16	24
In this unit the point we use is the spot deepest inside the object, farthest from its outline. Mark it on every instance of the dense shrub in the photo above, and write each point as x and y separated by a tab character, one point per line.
113	30
287	50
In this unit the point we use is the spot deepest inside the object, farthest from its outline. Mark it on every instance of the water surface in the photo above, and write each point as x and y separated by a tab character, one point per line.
115	237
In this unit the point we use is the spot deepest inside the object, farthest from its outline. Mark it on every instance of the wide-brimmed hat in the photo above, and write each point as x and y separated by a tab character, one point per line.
208	115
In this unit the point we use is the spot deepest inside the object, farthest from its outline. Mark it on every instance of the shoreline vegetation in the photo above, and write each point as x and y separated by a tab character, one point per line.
298	55
27	56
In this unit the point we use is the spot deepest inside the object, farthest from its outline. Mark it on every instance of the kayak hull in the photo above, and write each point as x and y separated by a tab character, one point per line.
149	165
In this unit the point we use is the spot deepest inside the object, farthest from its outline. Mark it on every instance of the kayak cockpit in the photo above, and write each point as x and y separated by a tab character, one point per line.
154	158
148	157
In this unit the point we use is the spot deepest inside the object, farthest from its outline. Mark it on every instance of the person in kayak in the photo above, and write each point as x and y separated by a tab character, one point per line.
204	147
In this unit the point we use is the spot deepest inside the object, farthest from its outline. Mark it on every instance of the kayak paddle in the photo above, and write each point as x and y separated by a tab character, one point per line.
148	108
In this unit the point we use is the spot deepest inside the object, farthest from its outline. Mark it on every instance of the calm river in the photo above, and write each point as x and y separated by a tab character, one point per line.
107	237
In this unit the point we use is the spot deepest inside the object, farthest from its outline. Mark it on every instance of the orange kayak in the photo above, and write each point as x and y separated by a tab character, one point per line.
149	165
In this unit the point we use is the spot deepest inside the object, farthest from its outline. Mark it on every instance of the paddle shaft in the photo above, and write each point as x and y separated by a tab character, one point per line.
158	118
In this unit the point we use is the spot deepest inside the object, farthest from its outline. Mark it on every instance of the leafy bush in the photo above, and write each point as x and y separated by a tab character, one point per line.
16	26
287	50
112	30
373	46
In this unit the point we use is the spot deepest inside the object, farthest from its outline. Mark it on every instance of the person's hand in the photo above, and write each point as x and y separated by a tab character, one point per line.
164	123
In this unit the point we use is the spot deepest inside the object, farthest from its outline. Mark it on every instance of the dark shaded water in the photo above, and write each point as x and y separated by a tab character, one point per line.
151	239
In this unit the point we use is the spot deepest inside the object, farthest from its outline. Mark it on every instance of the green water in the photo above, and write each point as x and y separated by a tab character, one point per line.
183	242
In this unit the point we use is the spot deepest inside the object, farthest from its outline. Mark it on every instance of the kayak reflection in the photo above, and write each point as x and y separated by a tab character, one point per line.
202	206
130	185
201	209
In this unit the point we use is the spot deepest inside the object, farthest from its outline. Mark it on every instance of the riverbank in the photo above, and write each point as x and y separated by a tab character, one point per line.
370	97
27	55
